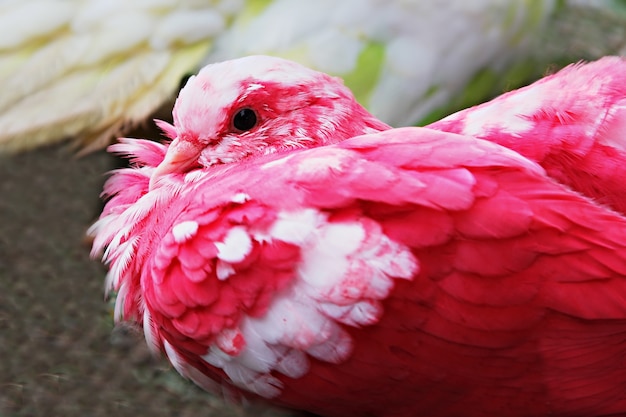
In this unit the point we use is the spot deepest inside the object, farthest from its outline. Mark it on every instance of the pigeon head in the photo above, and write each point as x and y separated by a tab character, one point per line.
258	105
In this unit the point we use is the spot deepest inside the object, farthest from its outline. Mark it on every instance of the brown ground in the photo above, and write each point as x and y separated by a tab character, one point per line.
59	353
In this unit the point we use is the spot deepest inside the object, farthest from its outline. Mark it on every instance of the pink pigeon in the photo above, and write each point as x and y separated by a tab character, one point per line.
287	246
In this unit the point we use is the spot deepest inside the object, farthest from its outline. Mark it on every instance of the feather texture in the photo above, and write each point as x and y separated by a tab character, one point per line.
573	123
90	69
369	270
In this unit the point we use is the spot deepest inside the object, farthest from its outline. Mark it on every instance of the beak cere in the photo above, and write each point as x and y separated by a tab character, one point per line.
180	156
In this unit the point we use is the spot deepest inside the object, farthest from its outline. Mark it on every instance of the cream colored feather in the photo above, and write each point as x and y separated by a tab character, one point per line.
90	68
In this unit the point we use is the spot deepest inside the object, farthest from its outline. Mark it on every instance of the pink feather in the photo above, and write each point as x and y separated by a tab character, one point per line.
573	123
320	260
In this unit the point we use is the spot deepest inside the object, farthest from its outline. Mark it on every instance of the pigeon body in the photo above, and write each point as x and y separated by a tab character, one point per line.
288	246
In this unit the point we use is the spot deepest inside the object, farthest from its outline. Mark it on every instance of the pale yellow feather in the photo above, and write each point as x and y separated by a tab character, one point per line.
96	66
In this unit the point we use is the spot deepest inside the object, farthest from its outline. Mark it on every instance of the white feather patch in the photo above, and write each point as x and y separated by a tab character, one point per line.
240	198
236	245
296	227
223	270
325	263
184	231
347	268
174	358
262	384
149	331
357	314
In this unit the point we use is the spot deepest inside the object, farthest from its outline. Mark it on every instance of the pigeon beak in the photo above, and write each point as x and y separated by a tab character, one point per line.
180	155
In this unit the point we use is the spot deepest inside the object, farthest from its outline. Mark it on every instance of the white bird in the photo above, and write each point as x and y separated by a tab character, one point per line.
90	69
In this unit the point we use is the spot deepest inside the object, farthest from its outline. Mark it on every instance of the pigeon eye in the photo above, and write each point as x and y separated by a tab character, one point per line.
245	119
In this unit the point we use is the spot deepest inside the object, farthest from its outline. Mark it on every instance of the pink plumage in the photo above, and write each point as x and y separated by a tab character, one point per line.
288	246
572	123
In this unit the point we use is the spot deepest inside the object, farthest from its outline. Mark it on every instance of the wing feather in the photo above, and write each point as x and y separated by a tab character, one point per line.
394	278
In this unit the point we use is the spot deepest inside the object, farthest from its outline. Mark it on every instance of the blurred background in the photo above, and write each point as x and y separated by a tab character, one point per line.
76	74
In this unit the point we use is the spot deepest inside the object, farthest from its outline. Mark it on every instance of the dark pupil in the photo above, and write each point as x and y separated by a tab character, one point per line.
245	119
